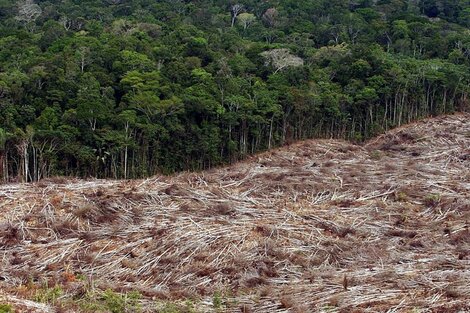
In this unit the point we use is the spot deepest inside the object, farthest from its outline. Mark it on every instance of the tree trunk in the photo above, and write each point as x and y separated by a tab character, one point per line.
2	166
270	133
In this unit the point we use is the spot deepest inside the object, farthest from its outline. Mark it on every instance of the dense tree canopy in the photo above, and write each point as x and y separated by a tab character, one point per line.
130	88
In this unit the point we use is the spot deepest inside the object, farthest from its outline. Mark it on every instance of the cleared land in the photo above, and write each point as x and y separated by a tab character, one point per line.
321	225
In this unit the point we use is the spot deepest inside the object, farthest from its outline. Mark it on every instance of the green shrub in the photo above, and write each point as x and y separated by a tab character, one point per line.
217	300
432	200
48	295
401	196
5	308
170	307
118	303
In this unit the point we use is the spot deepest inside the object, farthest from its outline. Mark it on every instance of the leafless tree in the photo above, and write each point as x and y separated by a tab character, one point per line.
270	17
66	23
336	31
28	12
83	54
282	58
235	10
123	27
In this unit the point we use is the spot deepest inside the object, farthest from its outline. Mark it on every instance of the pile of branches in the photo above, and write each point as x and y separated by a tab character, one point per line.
317	225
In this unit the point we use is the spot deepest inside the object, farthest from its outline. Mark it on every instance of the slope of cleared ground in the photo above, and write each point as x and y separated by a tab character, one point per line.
321	225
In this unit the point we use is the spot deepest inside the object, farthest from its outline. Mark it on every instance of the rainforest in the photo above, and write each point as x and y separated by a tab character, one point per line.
132	88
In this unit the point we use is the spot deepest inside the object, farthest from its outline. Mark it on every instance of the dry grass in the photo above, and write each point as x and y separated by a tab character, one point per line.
316	226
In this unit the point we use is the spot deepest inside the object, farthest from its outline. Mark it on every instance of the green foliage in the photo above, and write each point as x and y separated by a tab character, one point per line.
110	301
170	307
432	200
130	90
217	301
3	139
401	196
6	308
121	303
48	295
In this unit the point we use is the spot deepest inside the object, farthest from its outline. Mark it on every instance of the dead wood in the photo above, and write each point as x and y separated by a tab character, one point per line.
382	227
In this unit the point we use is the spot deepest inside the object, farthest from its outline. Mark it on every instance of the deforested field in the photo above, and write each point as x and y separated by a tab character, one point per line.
317	226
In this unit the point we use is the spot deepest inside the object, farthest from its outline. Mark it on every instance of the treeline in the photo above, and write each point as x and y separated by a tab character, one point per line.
130	88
